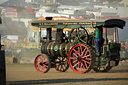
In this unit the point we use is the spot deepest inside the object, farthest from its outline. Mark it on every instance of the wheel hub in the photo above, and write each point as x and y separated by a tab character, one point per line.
79	58
41	63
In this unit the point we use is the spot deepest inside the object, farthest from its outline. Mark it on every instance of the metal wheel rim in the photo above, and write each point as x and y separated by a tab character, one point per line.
80	65
62	64
42	63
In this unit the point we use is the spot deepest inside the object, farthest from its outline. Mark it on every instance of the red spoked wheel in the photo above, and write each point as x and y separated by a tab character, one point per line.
42	63
61	64
81	58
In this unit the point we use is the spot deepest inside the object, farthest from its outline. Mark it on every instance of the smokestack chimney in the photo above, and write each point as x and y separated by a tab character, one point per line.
48	18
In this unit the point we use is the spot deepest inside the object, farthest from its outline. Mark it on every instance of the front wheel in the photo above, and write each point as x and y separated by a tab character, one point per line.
81	58
42	63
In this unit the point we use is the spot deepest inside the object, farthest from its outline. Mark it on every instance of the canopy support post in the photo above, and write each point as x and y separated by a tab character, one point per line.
40	34
106	36
49	34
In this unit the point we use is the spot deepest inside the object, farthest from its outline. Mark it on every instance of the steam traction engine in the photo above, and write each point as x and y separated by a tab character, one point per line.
76	50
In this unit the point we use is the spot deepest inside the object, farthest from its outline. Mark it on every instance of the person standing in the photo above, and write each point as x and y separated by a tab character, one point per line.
98	39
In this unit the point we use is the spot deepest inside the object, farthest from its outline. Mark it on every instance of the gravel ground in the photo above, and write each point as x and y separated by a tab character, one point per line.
26	74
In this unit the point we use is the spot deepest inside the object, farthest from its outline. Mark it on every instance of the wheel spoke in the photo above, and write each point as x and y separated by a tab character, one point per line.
82	34
84	66
85	56
38	66
64	66
74	35
81	49
73	58
86	62
38	61
76	64
45	68
75	55
61	67
40	58
45	65
75	41
82	40
86	52
45	60
42	68
83	52
88	58
77	52
81	67
59	59
63	59
74	61
57	66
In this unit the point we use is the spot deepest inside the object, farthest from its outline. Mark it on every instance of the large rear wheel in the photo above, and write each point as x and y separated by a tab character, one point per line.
81	58
42	63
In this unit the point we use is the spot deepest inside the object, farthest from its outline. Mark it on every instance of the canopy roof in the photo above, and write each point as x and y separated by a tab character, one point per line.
67	23
79	23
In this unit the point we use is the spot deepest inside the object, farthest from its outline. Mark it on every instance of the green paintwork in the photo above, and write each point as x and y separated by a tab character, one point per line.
59	26
63	49
102	60
88	26
72	24
43	26
59	49
50	49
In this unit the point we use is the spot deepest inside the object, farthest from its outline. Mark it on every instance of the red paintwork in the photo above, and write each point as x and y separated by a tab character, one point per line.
41	59
82	65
